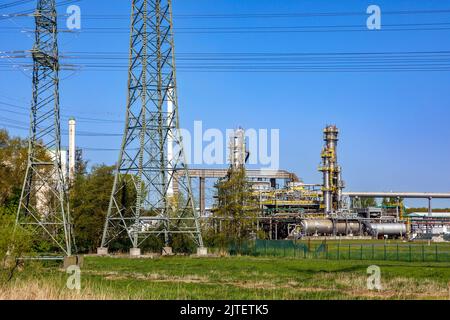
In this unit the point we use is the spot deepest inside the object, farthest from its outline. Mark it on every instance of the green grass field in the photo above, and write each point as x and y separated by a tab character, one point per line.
238	278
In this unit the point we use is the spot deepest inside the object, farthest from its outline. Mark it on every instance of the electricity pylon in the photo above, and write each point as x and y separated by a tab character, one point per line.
152	192
43	206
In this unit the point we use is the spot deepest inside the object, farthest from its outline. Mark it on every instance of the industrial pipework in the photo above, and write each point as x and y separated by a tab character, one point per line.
332	177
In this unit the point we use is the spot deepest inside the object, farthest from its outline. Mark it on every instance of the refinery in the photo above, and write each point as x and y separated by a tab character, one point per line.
294	209
110	188
152	194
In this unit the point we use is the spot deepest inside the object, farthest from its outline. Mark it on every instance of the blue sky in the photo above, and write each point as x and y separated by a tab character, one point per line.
394	125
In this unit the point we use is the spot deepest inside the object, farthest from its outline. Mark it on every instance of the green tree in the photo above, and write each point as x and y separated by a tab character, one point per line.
392	202
13	161
368	202
237	205
89	200
15	243
425	209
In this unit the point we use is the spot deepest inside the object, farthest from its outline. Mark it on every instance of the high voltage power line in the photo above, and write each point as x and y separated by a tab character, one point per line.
271	62
21	125
302	62
28	12
442	27
265	61
65	116
246	15
14	3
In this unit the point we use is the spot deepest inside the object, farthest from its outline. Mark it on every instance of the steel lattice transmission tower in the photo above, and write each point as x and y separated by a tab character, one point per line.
152	191
43	206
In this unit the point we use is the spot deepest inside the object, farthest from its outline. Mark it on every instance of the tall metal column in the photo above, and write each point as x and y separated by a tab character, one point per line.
151	169
202	195
430	216
332	177
43	205
430	208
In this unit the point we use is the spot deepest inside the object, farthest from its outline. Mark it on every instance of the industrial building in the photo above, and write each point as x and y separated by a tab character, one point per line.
153	156
294	209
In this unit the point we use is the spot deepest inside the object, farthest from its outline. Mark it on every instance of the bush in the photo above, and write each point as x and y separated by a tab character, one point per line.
15	243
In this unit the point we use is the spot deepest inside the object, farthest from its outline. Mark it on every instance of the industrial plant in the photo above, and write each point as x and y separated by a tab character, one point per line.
293	209
151	164
238	151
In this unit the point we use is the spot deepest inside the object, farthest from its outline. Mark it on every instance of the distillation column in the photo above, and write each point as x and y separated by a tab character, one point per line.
332	177
238	149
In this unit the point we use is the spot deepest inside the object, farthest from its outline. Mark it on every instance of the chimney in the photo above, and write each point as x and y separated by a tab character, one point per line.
72	124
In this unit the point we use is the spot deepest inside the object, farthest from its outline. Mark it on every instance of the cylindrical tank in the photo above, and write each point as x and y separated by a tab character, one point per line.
317	226
389	229
346	228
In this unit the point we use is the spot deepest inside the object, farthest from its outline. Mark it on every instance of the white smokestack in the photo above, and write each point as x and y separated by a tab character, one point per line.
72	124
170	123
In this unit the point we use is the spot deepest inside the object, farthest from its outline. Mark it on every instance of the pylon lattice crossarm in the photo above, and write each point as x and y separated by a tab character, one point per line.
43	207
149	195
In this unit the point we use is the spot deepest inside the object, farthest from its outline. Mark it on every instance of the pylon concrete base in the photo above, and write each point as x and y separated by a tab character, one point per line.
202	251
135	252
102	251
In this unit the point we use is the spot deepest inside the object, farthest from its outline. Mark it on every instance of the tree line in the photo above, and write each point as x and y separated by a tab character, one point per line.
89	196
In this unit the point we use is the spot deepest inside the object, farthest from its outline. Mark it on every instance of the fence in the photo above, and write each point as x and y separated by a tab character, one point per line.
335	250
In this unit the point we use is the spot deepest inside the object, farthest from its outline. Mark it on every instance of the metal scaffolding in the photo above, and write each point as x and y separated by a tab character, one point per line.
151	168
43	206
